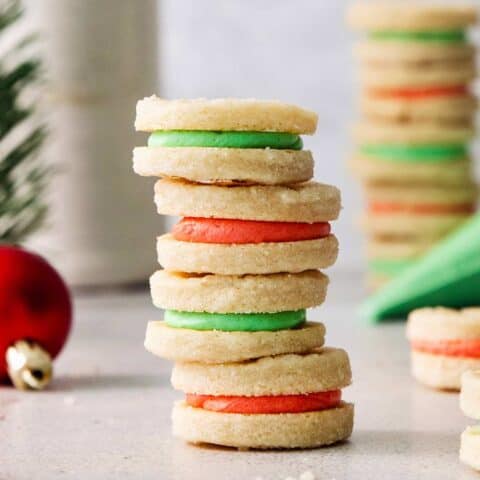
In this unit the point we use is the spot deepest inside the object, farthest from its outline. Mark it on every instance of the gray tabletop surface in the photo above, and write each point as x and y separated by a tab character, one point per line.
107	414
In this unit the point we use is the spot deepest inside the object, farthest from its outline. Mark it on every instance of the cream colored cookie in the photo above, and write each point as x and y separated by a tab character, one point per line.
398	248
435	74
303	202
225	165
422	195
290	374
241	259
411	53
408	16
407	222
263	431
215	346
439	110
238	294
470	394
470	447
441	371
374	170
441	323
223	114
406	226
370	132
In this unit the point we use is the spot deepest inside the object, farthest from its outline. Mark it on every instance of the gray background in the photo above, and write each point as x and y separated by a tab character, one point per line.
294	51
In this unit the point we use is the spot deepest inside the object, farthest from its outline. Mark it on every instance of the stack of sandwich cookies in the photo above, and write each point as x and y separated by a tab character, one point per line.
242	265
445	343
418	115
470	405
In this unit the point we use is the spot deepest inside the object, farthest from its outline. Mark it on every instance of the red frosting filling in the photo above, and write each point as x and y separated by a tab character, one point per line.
421	209
451	348
268	404
220	230
418	93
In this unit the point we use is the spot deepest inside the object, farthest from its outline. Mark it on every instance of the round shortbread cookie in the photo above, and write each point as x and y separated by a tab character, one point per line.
439	110
410	16
441	323
435	74
225	165
470	394
320	370
386	172
215	346
441	371
304	202
398	248
263	431
470	447
403	225
223	114
241	259
277	292
422	195
370	132
375	52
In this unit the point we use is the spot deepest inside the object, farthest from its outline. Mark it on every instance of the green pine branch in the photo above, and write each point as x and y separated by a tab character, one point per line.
22	177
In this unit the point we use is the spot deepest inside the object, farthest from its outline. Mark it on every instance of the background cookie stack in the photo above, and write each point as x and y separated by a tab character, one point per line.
470	405
241	267
412	142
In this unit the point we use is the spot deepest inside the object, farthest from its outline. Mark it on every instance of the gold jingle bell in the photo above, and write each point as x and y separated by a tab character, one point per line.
29	365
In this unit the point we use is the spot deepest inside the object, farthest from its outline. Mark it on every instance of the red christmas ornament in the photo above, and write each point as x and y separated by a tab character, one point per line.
35	316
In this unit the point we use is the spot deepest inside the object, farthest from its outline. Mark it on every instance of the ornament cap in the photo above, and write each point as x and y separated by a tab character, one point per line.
29	365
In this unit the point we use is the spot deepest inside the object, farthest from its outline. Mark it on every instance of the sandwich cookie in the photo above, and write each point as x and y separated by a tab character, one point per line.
410	165
417	212
206	338
225	141
285	401
470	405
308	202
445	343
397	153
412	22
439	105
239	247
277	292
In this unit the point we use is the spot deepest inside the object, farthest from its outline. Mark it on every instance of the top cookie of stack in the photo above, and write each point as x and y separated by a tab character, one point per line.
224	141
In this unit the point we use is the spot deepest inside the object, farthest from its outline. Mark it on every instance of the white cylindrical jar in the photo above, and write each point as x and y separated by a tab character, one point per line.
100	58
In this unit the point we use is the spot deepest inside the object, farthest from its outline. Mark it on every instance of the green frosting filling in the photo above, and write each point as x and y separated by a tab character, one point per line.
444	36
388	267
234	322
415	153
198	138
